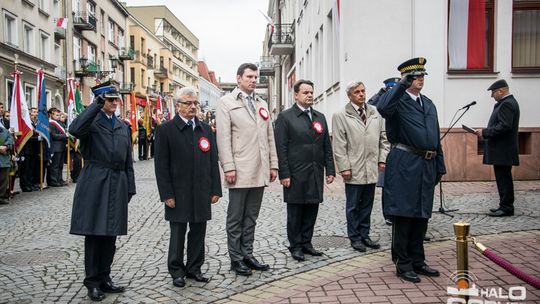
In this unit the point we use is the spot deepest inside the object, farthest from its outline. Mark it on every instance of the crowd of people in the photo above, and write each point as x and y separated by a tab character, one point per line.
391	141
38	165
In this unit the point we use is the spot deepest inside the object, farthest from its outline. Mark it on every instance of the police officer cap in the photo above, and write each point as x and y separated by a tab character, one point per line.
109	90
414	66
501	83
390	82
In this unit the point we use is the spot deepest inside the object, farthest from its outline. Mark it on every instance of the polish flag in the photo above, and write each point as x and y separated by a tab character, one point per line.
62	22
467	34
20	117
158	110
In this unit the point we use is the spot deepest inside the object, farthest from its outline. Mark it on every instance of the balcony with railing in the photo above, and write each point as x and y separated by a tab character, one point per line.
84	21
83	67
126	54
266	66
149	62
161	72
59	32
60	73
281	41
140	57
126	88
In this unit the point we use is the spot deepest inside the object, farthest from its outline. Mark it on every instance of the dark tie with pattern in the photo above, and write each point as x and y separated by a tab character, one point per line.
251	105
308	112
190	124
362	114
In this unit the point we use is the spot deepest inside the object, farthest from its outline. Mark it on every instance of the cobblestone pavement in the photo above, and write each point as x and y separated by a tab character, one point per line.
41	262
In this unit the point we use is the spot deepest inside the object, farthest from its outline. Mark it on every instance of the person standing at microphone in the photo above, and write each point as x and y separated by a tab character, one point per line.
501	145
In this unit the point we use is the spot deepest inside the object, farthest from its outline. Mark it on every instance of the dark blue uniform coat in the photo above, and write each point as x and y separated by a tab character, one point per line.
501	134
185	172
303	155
100	205
410	179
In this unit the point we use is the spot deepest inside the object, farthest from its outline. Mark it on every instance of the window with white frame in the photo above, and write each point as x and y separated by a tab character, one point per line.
121	38
30	94
43	5
76	48
76	6
44	46
57	11
28	38
9	92
57	54
10	28
91	53
48	97
110	35
91	7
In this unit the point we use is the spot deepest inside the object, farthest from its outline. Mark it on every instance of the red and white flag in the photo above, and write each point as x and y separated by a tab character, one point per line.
158	110
467	34
72	109
20	117
62	22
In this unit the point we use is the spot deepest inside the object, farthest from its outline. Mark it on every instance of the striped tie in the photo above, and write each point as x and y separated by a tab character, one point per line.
362	114
251	105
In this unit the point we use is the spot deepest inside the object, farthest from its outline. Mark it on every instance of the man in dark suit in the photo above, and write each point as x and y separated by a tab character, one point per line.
58	148
414	166
188	180
142	138
304	154
501	145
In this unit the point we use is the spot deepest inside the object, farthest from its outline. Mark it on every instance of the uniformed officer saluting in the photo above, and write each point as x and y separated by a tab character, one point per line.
105	186
414	166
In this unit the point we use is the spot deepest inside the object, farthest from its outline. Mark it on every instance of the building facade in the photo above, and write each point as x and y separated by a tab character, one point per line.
336	42
209	90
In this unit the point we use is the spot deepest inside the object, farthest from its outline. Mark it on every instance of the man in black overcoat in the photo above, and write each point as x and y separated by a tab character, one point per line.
501	145
414	166
305	157
58	148
188	180
104	188
142	138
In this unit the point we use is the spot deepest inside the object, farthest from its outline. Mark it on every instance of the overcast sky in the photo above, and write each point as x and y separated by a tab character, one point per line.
230	32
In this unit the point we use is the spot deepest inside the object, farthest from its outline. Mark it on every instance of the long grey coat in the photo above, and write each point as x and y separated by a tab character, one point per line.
100	204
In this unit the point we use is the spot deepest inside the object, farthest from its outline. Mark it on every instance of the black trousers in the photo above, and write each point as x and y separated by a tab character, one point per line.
358	210
505	185
408	243
55	170
300	224
26	172
98	257
195	248
143	148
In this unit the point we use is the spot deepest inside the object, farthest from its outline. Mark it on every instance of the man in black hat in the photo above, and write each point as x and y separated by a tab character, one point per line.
414	166
105	186
501	145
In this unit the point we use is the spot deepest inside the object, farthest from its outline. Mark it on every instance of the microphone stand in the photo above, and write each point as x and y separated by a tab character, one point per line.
441	197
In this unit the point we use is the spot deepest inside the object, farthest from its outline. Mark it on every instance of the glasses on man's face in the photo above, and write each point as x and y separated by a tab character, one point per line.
190	104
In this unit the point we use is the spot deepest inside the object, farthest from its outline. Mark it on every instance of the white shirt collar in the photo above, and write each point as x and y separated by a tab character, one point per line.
186	120
355	107
302	108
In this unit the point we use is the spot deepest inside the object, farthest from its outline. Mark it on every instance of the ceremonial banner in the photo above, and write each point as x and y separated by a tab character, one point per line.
72	110
20	117
42	126
133	118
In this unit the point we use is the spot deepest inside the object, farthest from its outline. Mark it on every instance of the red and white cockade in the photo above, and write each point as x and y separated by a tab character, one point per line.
264	113
204	144
317	126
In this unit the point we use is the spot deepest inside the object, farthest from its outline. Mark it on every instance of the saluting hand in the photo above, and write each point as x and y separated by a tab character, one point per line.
286	182
170	202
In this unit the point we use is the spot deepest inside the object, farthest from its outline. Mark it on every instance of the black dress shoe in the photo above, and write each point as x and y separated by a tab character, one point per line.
95	294
198	277
3	201
427	238
371	244
179	282
255	265
500	213
110	287
241	268
298	255
311	251
27	189
427	271
410	276
493	209
358	246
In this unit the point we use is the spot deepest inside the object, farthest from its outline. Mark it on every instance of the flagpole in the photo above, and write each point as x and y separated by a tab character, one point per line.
68	171
41	165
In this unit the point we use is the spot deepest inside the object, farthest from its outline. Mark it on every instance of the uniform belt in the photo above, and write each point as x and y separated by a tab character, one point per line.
116	166
425	154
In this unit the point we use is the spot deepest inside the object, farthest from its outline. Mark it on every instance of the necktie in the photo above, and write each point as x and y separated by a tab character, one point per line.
251	105
190	124
362	114
308	113
419	101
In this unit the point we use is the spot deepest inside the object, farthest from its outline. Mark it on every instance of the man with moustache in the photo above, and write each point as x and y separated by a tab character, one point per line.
305	157
414	166
247	152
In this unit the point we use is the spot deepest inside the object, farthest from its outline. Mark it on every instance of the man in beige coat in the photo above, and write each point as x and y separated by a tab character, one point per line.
247	152
360	149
